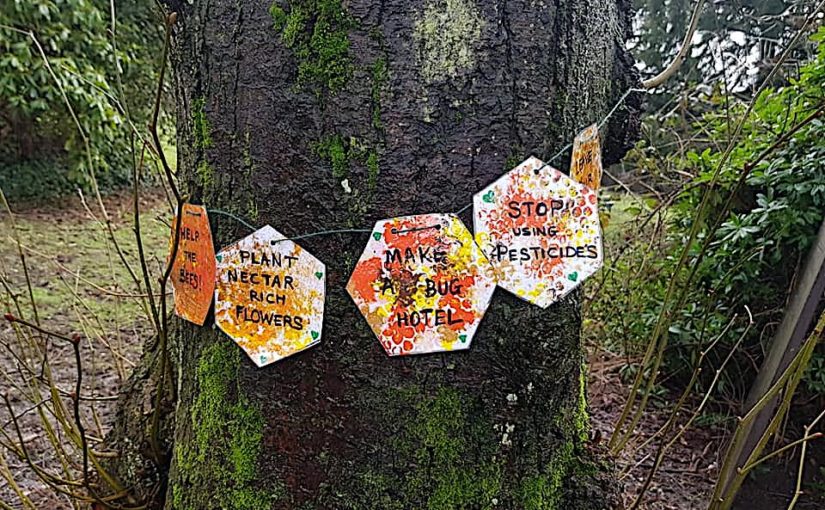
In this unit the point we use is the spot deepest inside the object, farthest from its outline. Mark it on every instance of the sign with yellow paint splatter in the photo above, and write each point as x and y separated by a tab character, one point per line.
586	164
193	271
422	284
540	230
270	296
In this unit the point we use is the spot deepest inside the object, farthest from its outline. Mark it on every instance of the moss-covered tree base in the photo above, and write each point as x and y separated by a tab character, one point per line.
439	443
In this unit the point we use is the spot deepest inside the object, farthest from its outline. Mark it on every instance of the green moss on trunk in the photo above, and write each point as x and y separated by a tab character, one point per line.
316	32
441	437
333	150
446	452
218	469
201	129
545	491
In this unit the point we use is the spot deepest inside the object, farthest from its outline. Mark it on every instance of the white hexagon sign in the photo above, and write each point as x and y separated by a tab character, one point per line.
270	296
422	284
540	230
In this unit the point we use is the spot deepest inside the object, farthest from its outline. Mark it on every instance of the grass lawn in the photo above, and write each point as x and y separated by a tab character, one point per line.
77	276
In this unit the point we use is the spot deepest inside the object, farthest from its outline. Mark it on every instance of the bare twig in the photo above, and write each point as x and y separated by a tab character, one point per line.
680	57
805	439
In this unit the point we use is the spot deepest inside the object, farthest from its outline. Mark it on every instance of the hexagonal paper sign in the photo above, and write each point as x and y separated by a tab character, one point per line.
270	296
422	284
540	229
193	271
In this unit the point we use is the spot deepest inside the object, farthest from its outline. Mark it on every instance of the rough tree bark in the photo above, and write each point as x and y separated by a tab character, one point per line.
417	104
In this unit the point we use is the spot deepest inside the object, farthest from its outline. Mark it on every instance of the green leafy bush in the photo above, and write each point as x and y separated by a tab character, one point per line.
40	136
760	243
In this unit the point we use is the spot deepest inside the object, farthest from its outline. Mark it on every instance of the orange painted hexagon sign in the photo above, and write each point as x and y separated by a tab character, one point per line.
193	271
586	163
270	296
422	284
540	229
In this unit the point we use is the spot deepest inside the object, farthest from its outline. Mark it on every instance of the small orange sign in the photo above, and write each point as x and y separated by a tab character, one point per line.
193	273
586	164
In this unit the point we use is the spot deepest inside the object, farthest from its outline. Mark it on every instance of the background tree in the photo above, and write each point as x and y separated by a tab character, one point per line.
736	43
318	114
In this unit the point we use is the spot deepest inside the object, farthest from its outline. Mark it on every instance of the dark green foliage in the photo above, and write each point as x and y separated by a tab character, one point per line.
775	217
47	177
30	181
760	243
39	134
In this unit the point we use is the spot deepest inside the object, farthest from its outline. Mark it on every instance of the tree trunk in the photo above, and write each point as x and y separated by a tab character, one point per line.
415	105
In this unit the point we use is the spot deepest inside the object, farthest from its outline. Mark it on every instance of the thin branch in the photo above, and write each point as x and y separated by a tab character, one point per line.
674	65
798	491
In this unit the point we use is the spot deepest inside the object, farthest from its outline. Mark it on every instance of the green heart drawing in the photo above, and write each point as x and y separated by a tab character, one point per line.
488	197
314	335
263	358
573	276
376	235
319	275
463	338
219	257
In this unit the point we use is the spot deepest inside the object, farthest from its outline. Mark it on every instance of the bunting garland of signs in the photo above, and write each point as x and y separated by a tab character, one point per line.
270	296
540	230
193	270
586	163
422	284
